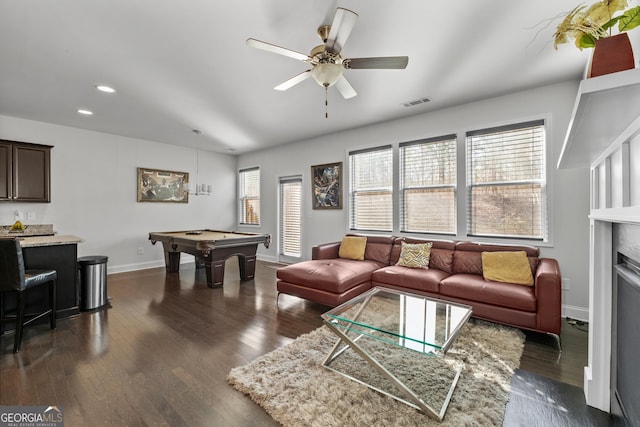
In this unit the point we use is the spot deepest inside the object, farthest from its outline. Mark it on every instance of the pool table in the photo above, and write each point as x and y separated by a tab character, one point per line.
213	247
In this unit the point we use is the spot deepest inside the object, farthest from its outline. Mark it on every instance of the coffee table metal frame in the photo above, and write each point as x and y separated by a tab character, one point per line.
332	319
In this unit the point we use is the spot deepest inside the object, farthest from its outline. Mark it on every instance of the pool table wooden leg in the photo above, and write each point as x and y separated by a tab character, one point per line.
172	261
215	273
247	265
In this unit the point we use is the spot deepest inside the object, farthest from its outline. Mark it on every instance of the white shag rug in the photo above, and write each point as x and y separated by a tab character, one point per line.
296	390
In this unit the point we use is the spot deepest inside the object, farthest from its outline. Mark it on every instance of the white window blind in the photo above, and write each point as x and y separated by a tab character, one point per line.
506	180
290	216
249	197
428	185
371	181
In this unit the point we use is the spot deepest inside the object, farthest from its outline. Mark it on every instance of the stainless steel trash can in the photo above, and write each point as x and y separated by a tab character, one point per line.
93	282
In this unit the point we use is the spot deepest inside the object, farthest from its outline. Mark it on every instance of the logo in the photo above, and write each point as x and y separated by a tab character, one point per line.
31	416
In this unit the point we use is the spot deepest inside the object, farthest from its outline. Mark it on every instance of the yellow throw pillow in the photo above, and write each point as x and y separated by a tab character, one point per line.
415	255
507	267
352	247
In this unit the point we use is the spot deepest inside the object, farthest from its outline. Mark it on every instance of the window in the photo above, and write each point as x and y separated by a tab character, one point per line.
428	185
249	188
371	195
506	185
290	217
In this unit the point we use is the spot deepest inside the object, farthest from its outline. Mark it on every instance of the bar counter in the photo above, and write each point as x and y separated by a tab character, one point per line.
33	241
59	252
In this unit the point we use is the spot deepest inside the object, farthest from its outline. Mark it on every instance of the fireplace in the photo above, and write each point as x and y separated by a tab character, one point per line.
625	331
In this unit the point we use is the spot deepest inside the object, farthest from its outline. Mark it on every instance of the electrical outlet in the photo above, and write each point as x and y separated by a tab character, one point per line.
140	251
17	215
31	216
566	284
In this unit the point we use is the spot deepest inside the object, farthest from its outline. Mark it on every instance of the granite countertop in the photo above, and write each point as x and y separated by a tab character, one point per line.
26	242
29	230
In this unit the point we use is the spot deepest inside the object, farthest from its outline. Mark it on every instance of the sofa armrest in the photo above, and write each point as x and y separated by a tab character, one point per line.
548	283
325	251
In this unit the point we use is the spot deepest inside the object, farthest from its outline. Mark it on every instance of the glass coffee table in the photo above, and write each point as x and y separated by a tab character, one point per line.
402	338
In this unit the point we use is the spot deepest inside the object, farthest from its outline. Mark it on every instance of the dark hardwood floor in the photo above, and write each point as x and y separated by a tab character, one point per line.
161	355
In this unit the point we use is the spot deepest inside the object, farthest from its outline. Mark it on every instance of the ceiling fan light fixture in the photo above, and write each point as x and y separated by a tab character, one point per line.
326	74
326	60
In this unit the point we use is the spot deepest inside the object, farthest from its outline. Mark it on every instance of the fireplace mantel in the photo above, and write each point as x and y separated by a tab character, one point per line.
628	215
604	133
613	99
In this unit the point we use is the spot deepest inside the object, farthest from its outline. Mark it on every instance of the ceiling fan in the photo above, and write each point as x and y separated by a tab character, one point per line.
327	63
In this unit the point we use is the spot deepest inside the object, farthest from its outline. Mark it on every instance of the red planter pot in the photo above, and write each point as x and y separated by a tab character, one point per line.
612	54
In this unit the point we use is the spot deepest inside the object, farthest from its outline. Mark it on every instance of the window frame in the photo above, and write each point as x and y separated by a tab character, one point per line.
354	192
282	255
542	181
243	198
452	141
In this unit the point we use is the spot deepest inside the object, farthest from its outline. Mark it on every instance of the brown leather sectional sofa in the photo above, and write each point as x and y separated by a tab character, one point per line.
454	274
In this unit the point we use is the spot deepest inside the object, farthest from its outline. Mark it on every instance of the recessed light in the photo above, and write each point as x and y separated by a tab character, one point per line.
85	112
106	89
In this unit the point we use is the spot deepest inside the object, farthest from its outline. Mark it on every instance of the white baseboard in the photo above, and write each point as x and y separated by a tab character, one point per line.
573	312
133	267
267	258
185	259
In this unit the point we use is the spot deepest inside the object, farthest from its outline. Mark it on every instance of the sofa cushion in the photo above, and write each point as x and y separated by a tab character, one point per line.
474	288
415	255
467	262
441	259
441	256
468	255
332	275
410	278
379	248
352	247
507	267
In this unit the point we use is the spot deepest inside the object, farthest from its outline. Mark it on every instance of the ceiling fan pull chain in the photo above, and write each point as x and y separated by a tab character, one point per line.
326	101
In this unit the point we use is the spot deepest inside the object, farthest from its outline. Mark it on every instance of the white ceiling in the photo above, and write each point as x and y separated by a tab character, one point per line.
183	65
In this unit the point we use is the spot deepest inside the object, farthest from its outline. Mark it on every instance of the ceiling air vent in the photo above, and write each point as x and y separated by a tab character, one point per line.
416	102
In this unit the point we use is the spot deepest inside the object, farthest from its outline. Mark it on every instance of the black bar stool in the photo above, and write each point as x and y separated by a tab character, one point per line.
14	278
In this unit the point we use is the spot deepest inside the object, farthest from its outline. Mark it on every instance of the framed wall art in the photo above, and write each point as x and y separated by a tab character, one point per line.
326	186
156	185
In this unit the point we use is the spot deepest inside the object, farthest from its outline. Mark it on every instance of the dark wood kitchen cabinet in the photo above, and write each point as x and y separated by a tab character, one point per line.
25	174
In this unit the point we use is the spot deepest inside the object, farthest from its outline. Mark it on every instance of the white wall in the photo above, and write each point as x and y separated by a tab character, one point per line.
568	189
93	191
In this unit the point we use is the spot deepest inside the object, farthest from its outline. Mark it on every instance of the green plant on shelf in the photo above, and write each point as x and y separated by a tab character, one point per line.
603	19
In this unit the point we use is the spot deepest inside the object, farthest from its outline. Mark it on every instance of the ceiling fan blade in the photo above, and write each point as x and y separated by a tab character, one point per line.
386	62
294	80
343	22
277	49
345	89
